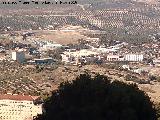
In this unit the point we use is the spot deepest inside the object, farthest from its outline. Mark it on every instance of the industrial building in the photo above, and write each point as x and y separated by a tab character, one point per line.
51	46
18	56
48	60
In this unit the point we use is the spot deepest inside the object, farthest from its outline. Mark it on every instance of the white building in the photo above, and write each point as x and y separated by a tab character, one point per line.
69	57
19	107
104	50
113	57
50	46
18	56
65	58
133	57
126	67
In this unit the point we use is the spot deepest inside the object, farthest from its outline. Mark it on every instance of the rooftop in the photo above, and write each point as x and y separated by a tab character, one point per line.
18	97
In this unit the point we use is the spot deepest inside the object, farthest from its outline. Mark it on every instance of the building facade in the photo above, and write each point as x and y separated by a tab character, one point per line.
50	46
19	107
113	58
18	56
75	56
133	57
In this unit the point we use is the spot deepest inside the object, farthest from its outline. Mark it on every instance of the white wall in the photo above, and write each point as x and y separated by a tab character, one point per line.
18	110
19	56
133	57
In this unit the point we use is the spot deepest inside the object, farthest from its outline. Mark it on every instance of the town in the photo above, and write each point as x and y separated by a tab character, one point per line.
34	51
40	49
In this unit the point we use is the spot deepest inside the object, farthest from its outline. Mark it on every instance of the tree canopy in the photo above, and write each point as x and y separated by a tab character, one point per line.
97	98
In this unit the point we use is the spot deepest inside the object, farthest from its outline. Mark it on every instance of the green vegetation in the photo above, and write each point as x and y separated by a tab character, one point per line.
87	98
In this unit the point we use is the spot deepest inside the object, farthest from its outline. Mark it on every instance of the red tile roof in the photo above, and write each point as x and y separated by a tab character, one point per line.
18	97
